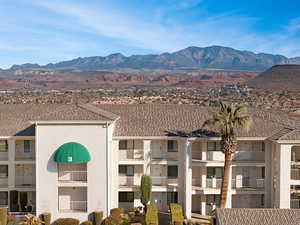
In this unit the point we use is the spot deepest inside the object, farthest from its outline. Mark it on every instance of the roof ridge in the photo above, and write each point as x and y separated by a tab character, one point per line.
99	111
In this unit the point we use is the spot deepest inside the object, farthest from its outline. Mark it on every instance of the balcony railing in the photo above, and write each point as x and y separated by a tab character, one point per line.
196	182
72	176
165	156
295	174
213	182
25	155
27	181
74	206
3	156
3	202
129	180
131	154
163	181
295	203
249	156
248	183
3	180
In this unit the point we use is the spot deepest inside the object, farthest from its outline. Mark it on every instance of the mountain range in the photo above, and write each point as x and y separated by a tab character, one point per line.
217	57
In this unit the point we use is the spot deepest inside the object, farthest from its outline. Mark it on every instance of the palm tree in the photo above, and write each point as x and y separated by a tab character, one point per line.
227	119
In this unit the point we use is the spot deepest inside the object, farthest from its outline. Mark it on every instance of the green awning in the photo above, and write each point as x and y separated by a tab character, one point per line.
72	152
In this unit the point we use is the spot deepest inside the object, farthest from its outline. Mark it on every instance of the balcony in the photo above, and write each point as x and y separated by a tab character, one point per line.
249	156
213	182
25	150
165	156
129	181
295	174
295	203
3	155
163	181
248	183
24	181
131	154
72	199
72	176
3	180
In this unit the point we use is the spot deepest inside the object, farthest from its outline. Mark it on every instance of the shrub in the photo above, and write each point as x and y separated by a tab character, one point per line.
67	221
87	222
98	217
11	219
176	214
46	218
146	190
32	220
117	211
151	215
117	219
3	216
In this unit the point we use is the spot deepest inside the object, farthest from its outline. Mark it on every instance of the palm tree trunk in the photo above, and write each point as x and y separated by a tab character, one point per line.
225	181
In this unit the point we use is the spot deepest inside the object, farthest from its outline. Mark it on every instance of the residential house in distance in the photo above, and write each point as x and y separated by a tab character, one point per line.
71	160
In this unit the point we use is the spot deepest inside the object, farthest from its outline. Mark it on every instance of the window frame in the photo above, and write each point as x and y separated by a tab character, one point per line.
216	146
214	169
6	146
126	170
171	146
169	172
129	196
126	144
27	150
172	197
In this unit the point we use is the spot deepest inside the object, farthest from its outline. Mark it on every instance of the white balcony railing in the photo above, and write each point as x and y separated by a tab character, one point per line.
213	182
165	156
3	156
27	181
295	174
132	154
248	183
72	176
3	180
79	205
159	180
129	180
249	156
25	155
295	203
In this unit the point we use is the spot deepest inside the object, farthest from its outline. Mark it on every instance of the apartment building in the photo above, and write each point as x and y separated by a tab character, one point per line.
71	160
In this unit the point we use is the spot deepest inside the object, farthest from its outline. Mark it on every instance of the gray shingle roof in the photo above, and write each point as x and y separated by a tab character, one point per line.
14	119
139	120
258	216
186	120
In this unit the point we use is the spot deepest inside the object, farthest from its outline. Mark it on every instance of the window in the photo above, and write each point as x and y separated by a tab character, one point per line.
172	197
3	198
126	196
172	146
172	172
213	200
125	170
214	172
27	148
3	171
3	146
213	146
126	144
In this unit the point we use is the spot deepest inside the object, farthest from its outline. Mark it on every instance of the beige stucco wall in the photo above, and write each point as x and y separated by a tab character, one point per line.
94	138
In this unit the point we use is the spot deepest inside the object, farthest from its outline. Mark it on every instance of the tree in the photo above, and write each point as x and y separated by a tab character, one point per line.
146	190
227	119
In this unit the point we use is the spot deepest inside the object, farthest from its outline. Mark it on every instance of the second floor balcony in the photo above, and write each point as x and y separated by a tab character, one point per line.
75	172
131	154
25	150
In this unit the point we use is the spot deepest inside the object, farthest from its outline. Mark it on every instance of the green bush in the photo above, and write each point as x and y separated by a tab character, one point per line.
117	211
11	219
46	217
87	223
176	214
98	217
117	219
146	190
67	221
3	216
152	215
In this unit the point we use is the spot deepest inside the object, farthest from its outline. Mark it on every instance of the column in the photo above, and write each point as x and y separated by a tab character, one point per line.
203	176
188	180
11	163
147	156
284	176
204	150
203	205
229	193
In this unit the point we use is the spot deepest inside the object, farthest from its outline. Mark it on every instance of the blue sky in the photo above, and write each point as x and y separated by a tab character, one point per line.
43	31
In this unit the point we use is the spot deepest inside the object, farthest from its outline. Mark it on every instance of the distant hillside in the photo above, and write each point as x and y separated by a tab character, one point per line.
192	57
281	77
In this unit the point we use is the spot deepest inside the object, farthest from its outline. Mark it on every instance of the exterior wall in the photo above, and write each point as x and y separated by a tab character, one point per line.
94	138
